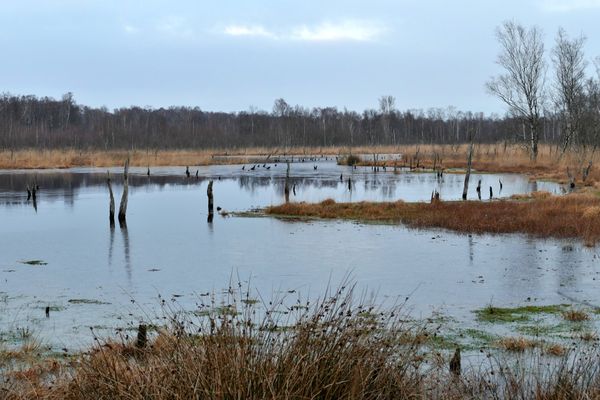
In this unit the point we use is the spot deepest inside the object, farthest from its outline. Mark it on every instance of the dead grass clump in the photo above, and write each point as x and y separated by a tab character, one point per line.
591	212
352	160
544	216
329	351
588	336
575	315
517	344
555	349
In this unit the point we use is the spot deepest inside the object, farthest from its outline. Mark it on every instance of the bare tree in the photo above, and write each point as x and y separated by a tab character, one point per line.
521	86
387	105
569	92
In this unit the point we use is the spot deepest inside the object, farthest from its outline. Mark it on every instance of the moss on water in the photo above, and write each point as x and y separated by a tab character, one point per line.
517	314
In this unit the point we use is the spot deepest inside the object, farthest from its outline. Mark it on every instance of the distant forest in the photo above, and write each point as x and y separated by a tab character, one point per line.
32	122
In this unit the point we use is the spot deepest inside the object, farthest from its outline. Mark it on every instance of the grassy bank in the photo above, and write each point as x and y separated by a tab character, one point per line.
499	158
66	158
486	158
569	216
334	349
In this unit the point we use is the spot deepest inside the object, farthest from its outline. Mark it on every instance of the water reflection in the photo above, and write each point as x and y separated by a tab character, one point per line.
171	250
126	251
264	186
111	243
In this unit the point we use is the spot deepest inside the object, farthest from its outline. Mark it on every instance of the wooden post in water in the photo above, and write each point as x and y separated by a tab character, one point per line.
455	367
209	193
142	336
124	197
491	193
469	160
479	189
111	207
286	189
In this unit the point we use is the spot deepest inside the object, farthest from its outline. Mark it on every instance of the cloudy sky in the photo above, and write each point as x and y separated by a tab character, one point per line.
229	55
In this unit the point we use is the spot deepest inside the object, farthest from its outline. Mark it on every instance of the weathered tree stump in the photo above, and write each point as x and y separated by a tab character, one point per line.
469	162
142	336
111	207
455	367
286	189
209	194
125	196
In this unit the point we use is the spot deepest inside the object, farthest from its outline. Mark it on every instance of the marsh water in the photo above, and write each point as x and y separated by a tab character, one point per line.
62	253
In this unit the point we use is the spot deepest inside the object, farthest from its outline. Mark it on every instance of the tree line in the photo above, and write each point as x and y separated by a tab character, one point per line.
560	106
31	122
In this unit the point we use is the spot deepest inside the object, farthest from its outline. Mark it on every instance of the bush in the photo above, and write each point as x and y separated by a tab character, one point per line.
352	160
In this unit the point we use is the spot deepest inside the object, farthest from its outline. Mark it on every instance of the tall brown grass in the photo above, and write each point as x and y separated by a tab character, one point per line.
551	164
569	216
66	158
334	349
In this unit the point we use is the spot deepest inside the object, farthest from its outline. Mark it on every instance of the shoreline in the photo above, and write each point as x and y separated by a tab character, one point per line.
487	158
572	216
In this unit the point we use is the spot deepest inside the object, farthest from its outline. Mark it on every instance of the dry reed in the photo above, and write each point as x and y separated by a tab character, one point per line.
569	216
334	349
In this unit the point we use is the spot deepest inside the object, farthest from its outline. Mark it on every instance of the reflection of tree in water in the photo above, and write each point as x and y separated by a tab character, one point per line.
111	244
251	183
65	186
126	250
388	189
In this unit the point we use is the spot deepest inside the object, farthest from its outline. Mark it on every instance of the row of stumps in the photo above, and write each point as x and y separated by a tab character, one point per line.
122	216
124	197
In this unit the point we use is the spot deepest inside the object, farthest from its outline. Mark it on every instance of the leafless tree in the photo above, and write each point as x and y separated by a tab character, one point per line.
521	86
387	105
569	88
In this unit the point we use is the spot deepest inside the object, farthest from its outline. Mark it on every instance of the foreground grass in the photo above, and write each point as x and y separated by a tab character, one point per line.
569	216
334	349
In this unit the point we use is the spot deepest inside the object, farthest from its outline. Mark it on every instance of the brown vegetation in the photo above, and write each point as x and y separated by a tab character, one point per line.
486	158
517	344
569	216
334	350
551	163
575	316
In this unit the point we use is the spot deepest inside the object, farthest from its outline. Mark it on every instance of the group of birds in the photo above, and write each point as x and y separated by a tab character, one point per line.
265	166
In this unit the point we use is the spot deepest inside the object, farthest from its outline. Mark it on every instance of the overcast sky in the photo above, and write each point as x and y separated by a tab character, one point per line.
230	54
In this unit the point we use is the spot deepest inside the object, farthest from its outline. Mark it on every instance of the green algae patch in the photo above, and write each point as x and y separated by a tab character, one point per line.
87	301
518	314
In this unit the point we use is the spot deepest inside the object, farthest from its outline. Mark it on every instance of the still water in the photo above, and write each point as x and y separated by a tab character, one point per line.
95	276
